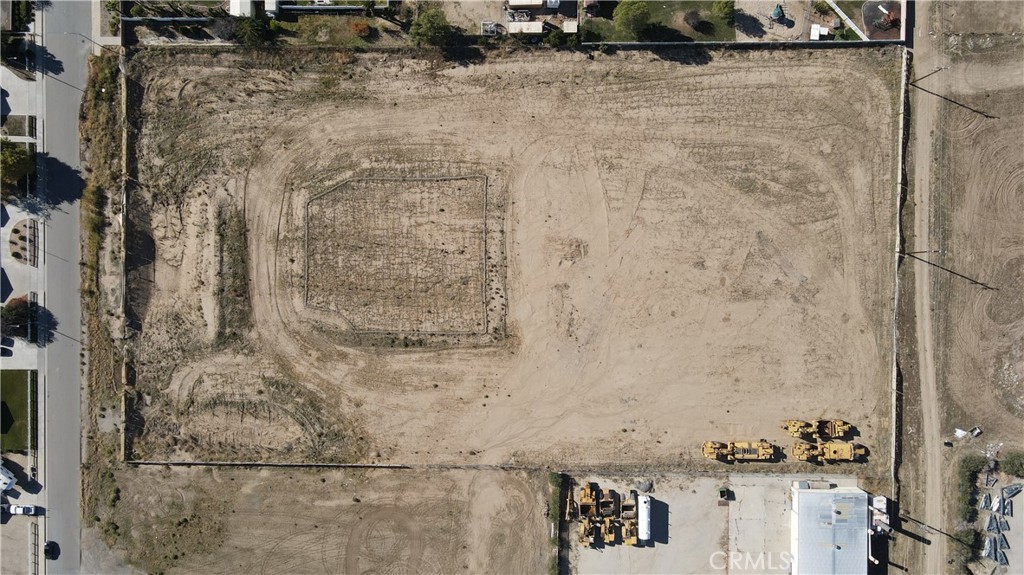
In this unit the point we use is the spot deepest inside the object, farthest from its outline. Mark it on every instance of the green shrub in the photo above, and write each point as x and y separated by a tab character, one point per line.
631	17
1013	463
725	9
967	478
431	27
963	549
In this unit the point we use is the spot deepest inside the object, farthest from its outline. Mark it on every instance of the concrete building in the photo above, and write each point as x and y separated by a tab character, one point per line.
829	529
241	8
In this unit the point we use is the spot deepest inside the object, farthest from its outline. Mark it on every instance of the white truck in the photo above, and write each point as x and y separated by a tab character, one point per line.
643	518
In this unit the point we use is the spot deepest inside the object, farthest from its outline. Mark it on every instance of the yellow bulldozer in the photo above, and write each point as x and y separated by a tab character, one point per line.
803	451
798	428
590	525
831	428
835	451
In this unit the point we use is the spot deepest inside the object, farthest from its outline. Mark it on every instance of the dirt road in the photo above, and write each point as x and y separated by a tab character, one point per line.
926	108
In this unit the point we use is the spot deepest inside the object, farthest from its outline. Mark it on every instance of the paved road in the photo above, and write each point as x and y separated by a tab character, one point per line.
65	73
925	109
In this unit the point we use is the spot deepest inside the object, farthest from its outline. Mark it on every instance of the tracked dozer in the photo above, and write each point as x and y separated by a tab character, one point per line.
628	514
803	451
835	451
760	450
798	428
716	450
831	428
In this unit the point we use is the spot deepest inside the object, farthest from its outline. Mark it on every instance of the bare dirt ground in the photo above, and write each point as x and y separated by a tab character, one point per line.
979	180
329	521
689	252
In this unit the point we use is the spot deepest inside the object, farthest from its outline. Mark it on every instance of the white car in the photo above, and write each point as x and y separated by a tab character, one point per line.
23	509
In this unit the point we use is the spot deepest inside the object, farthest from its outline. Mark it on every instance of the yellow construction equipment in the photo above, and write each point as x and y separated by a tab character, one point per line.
831	428
608	506
832	451
760	450
715	450
628	514
588	531
609	531
804	451
588	500
798	428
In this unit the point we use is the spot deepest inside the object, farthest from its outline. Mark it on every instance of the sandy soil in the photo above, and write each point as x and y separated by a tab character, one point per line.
693	252
979	182
333	521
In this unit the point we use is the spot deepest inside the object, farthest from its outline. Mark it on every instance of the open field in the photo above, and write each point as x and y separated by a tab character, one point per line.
330	521
979	183
689	252
18	409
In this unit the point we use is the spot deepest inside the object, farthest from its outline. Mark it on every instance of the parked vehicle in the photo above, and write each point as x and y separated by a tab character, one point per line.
23	509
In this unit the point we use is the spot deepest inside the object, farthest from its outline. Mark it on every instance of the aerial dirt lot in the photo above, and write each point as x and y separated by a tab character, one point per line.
979	186
662	253
279	520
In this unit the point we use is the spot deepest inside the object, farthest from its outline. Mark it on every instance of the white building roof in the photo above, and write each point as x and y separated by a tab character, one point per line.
829	530
525	3
525	27
571	26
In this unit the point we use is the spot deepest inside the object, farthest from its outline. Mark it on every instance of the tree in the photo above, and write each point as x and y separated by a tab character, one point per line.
15	164
252	31
15	317
725	9
556	38
431	27
1013	463
631	17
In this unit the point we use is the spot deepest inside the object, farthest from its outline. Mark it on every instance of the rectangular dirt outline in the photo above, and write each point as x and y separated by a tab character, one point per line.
483	256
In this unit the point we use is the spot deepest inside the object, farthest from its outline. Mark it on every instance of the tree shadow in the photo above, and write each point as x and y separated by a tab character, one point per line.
61	184
705	27
42	60
5	108
462	50
45	327
662	33
749	24
686	55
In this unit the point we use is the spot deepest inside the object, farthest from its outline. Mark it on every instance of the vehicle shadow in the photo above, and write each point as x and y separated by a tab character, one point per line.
659	522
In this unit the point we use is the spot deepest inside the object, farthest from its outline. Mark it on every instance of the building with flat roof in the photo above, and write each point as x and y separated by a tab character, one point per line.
829	529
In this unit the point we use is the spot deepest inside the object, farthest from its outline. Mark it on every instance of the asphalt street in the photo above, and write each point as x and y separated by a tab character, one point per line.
63	63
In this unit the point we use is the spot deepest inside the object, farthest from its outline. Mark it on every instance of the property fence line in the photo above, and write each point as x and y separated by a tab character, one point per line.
901	198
